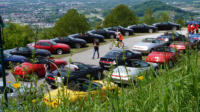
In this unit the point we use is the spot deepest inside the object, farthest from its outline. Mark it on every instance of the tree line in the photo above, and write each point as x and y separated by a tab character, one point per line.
73	22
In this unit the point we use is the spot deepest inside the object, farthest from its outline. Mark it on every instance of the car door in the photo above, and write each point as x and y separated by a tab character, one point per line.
43	45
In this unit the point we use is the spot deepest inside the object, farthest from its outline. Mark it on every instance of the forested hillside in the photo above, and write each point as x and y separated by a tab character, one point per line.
158	6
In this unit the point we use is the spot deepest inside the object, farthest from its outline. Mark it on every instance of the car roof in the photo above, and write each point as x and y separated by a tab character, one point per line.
43	40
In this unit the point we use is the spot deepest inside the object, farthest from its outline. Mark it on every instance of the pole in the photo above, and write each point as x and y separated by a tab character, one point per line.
2	59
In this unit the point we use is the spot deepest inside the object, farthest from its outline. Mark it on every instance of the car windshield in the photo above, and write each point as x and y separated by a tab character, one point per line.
53	43
165	49
137	64
148	40
7	55
112	54
83	85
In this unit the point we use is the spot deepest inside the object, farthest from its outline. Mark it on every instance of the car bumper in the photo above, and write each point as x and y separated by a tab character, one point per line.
142	51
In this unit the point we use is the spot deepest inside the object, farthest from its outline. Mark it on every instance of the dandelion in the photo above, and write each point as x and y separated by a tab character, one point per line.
16	85
34	100
140	77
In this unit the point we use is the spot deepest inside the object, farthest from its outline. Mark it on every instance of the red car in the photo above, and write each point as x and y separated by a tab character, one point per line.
163	55
37	68
51	46
182	46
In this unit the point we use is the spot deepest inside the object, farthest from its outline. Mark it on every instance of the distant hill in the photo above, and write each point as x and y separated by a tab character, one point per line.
158	7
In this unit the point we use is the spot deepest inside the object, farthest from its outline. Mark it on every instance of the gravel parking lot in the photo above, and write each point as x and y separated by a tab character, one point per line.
86	56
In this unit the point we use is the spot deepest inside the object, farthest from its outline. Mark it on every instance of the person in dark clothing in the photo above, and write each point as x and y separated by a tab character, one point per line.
96	48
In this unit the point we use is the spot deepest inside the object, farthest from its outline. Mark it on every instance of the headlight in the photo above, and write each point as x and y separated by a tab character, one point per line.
114	62
166	39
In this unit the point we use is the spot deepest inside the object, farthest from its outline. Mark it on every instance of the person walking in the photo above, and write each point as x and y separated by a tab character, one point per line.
120	40
96	48
192	28
189	28
197	28
117	34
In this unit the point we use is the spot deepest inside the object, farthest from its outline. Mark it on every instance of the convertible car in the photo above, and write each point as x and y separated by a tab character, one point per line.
79	90
167	26
37	68
142	28
163	55
79	70
132	70
147	45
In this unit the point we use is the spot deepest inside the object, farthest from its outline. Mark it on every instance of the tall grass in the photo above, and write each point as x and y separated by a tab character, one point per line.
173	90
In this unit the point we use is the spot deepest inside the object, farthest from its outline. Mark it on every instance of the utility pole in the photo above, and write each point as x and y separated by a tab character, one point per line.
2	58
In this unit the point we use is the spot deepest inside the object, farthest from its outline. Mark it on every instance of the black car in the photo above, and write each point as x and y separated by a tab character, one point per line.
124	31
82	71
115	57
89	37
143	28
28	51
170	37
71	41
167	26
105	32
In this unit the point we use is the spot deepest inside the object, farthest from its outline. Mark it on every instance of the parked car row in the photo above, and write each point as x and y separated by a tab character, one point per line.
128	66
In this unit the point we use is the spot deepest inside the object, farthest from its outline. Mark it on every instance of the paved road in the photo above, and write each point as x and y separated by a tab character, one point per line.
86	56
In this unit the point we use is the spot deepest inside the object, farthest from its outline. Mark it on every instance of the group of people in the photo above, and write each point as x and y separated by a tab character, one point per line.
119	38
193	28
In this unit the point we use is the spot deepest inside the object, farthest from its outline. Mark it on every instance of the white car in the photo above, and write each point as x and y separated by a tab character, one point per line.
133	70
147	45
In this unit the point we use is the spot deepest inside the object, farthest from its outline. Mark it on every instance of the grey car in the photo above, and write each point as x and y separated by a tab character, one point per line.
147	45
13	92
133	70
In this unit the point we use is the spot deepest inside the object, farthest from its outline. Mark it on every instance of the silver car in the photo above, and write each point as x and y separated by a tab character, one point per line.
13	90
133	70
147	45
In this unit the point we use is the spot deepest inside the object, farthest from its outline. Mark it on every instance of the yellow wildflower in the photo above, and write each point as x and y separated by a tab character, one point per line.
140	77
16	85
9	81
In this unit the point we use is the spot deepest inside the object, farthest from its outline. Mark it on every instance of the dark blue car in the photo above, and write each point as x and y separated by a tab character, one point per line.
13	59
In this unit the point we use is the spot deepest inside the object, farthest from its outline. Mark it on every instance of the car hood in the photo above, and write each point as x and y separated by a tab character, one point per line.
18	58
61	45
145	44
126	71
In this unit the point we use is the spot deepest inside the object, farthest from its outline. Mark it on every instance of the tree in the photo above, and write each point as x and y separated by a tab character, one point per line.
164	17
72	22
148	16
180	21
17	35
120	15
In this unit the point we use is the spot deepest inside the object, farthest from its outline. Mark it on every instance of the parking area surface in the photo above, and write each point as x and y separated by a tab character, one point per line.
86	56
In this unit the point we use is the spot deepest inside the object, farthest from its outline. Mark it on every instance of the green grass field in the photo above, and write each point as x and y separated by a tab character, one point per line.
173	90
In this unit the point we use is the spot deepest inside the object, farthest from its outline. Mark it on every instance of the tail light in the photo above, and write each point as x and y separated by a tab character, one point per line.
51	78
75	69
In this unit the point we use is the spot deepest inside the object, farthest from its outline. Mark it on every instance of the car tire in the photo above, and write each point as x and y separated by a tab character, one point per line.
156	72
59	51
170	64
112	36
174	28
99	75
126	33
62	66
150	30
77	45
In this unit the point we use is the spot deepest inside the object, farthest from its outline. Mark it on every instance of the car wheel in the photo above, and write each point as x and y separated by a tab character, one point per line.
99	75
126	33
62	66
156	72
112	36
77	45
150	30
170	64
59	51
174	28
